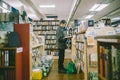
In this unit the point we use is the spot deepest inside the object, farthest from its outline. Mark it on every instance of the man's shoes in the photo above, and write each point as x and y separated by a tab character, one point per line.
62	71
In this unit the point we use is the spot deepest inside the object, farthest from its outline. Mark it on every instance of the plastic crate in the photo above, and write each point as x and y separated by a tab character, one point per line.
37	75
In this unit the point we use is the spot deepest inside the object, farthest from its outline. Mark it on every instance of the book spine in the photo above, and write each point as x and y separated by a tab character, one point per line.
101	61
3	62
0	58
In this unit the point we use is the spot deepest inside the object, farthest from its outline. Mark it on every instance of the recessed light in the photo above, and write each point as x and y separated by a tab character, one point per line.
47	6
98	7
89	16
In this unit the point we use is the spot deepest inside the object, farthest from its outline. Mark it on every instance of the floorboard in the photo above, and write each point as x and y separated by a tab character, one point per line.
54	75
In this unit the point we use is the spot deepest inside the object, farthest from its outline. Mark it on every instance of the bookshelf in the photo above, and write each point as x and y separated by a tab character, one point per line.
11	63
48	29
91	47
33	49
24	33
108	57
79	52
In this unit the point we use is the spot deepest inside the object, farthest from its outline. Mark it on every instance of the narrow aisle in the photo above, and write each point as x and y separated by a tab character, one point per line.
54	75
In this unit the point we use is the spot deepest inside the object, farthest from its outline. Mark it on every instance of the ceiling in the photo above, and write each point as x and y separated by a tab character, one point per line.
64	8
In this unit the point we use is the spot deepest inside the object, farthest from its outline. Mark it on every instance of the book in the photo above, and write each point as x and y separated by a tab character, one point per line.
0	58
93	75
101	60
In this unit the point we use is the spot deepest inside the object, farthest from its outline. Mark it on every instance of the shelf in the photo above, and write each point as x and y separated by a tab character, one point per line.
45	25
50	34
51	49
10	48
50	44
45	30
7	67
82	32
50	39
109	40
80	41
36	46
108	37
46	21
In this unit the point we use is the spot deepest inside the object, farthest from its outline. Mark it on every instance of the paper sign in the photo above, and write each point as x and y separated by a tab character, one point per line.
90	40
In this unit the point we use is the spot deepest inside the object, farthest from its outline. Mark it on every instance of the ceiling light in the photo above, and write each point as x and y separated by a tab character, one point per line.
114	19
94	7
47	6
89	16
4	10
102	6
5	6
98	7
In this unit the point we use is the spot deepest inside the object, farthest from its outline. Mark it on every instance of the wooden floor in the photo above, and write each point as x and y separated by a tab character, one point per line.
54	75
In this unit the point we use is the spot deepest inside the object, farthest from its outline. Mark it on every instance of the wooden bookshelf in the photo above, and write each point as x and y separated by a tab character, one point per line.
11	63
31	44
108	57
79	52
48	29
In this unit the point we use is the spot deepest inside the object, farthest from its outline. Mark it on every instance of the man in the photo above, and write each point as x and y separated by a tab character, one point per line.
61	44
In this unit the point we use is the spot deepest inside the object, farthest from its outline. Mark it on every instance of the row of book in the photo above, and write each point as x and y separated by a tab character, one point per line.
46	23
37	39
7	57
54	53
80	55
109	62
50	42
50	37
80	37
46	32
50	46
10	16
80	46
51	32
35	27
7	74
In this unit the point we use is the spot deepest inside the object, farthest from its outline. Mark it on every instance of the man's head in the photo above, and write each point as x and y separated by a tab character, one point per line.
63	23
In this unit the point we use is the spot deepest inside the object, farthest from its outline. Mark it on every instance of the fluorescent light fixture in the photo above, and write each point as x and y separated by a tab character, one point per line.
5	6
114	19
89	16
98	7
47	6
94	7
102	6
4	10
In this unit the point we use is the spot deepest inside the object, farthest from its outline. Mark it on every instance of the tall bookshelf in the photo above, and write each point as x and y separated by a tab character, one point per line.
79	52
33	49
109	57
91	47
48	29
24	33
11	63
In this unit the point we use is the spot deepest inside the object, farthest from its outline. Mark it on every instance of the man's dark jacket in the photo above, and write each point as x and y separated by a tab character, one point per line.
60	37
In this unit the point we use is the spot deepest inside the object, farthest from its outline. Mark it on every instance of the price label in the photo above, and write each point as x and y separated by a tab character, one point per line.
19	50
